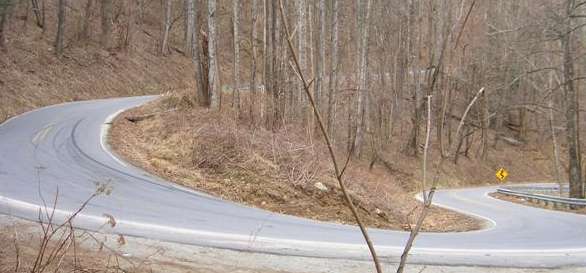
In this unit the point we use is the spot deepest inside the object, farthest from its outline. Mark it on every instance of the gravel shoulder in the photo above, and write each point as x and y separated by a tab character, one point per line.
143	255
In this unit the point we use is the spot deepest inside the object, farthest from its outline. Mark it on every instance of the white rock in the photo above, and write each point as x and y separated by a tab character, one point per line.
320	186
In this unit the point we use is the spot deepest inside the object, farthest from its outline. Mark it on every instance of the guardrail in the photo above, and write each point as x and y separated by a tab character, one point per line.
539	189
548	200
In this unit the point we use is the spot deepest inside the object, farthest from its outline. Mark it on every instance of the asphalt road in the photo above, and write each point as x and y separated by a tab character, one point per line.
62	148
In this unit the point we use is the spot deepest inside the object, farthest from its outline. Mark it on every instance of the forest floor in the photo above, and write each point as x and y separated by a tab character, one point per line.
285	172
31	76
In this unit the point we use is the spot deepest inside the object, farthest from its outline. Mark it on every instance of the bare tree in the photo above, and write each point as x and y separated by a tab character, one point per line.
301	45
189	25
106	23
214	92
485	123
333	80
273	63
166	27
126	32
236	30
60	27
38	12
413	73
428	194
253	63
199	53
5	8
363	81
85	29
572	104
321	50
554	142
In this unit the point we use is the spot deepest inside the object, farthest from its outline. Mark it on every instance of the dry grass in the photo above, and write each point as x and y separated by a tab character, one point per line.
56	247
21	245
212	152
20	251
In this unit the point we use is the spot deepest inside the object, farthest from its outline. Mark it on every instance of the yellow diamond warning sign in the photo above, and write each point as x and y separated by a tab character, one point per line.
502	174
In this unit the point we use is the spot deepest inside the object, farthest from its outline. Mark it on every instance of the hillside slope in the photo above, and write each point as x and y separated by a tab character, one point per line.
31	76
285	172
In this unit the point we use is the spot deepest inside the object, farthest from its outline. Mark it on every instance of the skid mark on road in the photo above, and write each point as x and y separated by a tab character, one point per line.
42	134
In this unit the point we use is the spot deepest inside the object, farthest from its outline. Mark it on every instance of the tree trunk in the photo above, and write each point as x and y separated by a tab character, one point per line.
321	56
253	63
38	15
363	81
278	107
236	41
265	48
485	123
43	16
85	29
214	91
126	36
333	81
556	153
166	27
140	5
5	8
60	28
413	71
302	44
189	24
572	106
106	23
198	53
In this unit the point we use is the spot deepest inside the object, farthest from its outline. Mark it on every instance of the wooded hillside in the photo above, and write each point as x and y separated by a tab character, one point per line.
372	64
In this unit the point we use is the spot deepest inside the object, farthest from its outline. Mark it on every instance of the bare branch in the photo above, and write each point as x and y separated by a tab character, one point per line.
306	87
427	203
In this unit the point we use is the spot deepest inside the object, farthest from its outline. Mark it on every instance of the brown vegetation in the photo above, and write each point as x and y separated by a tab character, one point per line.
21	249
212	152
32	76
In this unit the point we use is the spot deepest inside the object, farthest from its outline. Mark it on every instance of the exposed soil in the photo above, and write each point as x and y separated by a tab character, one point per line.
208	151
523	201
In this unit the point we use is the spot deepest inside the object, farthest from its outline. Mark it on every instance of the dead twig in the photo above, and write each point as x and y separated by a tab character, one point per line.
426	148
135	119
338	172
51	255
428	201
17	250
